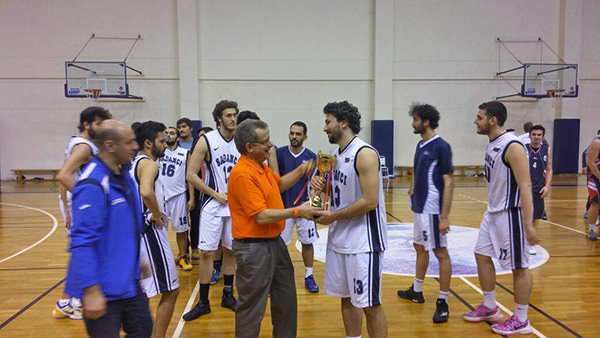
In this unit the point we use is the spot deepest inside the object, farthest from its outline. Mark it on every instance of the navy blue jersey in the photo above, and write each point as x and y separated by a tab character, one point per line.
289	161
433	159
538	160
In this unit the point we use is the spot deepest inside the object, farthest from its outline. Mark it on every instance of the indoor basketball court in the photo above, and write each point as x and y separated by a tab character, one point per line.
285	60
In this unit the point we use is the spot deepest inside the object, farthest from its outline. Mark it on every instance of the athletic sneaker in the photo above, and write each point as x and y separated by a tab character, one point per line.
184	263
69	310
484	314
201	308
216	275
441	311
512	326
310	284
228	300
412	295
592	235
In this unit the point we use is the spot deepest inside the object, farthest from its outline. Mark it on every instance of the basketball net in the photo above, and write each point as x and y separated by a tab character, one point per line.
93	93
556	95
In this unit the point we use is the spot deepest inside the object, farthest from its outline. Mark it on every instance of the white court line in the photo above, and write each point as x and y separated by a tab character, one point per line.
188	307
54	227
474	287
558	225
565	227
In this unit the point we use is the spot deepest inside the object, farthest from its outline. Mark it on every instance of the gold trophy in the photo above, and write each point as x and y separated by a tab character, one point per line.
324	164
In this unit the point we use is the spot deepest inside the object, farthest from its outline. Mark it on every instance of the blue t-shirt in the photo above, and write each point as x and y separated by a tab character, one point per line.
433	159
289	161
186	144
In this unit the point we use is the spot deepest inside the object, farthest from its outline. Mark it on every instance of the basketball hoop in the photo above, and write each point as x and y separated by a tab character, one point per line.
93	93
556	95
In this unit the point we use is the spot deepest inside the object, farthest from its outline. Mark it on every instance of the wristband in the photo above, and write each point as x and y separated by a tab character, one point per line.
295	212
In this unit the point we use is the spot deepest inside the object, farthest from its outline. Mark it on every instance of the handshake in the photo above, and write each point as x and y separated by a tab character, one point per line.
318	214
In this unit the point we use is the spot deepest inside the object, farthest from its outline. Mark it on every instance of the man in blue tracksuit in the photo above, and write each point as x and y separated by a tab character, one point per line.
104	270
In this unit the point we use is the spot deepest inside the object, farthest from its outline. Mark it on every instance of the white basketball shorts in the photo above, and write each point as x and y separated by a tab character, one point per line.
155	252
214	228
176	210
354	276
307	230
501	236
426	231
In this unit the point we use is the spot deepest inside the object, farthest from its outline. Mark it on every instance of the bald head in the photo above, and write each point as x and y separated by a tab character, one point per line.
116	141
110	130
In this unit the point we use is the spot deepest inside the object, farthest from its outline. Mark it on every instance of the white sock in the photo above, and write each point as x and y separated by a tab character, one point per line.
521	311
63	302
308	271
443	295
418	285
75	302
489	299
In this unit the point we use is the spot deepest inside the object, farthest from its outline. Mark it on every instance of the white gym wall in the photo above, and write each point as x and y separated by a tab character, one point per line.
285	60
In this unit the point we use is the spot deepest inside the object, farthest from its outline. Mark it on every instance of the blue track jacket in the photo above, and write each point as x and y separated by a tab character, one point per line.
105	236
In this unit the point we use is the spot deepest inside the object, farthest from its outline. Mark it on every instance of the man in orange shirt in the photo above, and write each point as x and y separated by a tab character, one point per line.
263	263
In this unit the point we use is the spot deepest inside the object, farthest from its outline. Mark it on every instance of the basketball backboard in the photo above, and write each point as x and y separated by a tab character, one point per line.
541	79
108	79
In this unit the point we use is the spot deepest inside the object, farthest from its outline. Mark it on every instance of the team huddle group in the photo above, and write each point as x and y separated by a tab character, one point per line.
121	185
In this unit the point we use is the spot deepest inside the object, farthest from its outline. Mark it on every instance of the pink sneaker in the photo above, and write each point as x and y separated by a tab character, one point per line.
484	314
512	326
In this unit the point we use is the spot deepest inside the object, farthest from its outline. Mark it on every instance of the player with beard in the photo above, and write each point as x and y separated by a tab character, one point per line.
217	149
289	158
155	250
172	167
357	235
79	152
431	196
506	223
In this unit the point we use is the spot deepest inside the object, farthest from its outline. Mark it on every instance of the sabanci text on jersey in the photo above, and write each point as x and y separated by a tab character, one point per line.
226	158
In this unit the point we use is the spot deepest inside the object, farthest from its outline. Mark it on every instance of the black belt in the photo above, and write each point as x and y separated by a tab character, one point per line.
256	240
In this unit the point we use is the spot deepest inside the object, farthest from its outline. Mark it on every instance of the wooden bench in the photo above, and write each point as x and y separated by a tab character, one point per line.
459	170
21	178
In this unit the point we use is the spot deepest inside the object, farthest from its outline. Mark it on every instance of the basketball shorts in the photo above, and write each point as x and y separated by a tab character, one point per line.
214	228
354	276
307	230
176	210
155	253
426	231
538	203
502	236
593	186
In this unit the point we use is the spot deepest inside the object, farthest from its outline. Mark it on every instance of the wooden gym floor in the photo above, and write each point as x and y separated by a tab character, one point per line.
565	301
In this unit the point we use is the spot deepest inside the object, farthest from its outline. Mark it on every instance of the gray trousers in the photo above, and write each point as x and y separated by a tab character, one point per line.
263	268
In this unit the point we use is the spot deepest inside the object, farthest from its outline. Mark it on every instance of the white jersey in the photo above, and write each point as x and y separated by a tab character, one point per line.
171	171
503	191
75	141
223	156
364	233
158	188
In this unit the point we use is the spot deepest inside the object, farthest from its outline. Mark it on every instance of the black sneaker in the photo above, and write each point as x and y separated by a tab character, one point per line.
228	300
201	308
411	294
441	311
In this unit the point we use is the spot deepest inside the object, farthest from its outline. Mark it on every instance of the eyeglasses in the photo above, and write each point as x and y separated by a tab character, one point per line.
267	144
